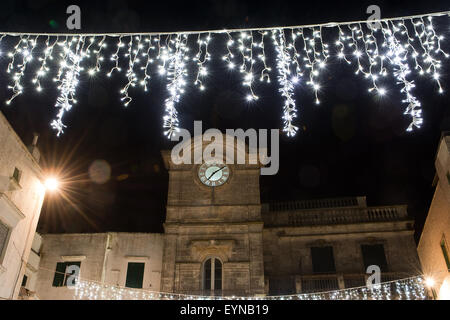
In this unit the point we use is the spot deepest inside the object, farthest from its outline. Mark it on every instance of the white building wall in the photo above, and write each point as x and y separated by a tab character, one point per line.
104	258
20	206
437	226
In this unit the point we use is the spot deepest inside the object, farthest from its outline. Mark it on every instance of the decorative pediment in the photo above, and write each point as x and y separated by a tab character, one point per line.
219	248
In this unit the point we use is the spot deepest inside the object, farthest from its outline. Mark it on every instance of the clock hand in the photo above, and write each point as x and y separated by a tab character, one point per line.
212	174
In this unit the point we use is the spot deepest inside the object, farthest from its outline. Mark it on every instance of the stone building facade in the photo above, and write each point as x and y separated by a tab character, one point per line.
29	280
102	257
327	244
220	240
434	244
21	197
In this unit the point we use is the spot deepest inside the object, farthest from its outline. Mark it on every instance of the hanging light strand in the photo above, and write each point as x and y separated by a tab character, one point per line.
70	71
412	288
284	61
176	74
398	50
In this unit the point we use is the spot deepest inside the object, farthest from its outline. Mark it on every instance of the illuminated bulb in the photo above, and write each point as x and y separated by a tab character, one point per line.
51	184
429	282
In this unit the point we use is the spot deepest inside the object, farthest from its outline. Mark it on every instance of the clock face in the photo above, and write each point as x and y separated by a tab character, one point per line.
213	174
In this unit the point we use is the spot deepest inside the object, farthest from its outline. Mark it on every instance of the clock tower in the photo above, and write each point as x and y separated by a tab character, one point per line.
213	228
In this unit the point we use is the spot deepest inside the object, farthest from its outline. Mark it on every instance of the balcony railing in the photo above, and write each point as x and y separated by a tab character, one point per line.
319	283
335	216
328	282
313	204
25	294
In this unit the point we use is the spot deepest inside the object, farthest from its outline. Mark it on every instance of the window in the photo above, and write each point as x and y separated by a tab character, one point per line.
135	275
62	274
24	281
445	252
212	276
373	254
16	175
4	232
323	260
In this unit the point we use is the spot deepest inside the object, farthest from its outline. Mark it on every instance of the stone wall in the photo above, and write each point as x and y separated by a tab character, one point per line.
104	258
287	248
437	226
222	222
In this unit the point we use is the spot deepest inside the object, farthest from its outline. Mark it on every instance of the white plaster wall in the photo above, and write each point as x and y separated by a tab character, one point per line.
27	199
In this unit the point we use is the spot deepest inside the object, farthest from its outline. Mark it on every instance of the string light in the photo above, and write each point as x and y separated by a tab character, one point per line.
412	288
44	68
284	62
174	58
25	48
69	69
148	61
201	57
132	56
399	50
397	55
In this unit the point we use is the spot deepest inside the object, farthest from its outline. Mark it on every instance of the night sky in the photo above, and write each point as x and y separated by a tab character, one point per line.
352	144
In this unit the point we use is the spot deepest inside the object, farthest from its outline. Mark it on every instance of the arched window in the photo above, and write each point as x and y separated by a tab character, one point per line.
212	276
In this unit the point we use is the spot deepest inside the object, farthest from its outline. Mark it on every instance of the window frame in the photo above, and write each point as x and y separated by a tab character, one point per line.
24	281
213	291
332	255
377	243
6	243
65	275
19	175
143	274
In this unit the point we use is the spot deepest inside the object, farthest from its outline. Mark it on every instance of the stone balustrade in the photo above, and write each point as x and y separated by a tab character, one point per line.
335	216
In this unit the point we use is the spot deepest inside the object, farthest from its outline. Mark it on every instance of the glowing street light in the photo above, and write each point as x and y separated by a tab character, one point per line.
51	184
429	282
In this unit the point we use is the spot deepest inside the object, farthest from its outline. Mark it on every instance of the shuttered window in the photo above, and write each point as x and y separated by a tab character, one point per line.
323	260
61	273
16	175
24	281
135	274
373	254
4	230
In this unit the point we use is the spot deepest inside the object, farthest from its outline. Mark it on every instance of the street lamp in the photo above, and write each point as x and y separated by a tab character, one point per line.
51	184
429	282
